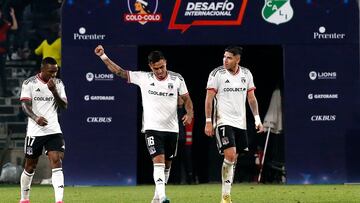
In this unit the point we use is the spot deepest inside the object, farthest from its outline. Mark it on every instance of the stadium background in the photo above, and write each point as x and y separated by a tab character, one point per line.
104	145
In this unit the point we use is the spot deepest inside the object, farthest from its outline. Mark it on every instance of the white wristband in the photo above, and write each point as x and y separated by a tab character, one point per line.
257	120
103	57
208	120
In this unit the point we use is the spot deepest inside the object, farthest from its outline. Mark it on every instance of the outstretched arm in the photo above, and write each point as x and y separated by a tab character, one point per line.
113	67
255	110
27	108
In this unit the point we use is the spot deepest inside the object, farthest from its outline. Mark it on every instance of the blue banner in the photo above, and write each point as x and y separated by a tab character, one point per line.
319	101
100	125
320	46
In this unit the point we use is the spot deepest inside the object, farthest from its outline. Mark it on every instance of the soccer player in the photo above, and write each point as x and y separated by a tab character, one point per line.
228	86
160	90
41	96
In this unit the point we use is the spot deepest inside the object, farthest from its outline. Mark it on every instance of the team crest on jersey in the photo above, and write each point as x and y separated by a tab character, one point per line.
243	80
29	150
277	11
171	86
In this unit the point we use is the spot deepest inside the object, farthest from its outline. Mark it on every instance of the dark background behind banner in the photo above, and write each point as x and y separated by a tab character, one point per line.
114	153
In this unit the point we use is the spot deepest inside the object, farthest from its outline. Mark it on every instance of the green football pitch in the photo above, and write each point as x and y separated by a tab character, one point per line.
202	193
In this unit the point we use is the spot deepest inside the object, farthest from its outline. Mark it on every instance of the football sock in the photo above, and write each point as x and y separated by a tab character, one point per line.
58	183
25	184
167	175
159	179
227	175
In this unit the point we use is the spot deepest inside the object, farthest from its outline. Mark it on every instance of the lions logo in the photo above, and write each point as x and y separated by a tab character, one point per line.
89	77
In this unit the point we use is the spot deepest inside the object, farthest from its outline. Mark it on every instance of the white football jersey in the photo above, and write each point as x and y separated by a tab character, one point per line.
231	91
43	104
159	99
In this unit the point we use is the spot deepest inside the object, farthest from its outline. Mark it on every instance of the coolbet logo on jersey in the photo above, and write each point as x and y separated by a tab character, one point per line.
152	92
207	13
43	99
142	11
234	89
277	11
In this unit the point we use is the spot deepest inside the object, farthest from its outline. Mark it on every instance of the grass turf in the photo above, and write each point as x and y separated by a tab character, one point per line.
202	193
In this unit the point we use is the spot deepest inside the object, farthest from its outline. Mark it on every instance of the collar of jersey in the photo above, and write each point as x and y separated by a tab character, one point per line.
167	74
38	76
237	72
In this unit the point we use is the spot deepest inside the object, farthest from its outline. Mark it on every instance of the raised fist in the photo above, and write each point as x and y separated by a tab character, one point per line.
99	50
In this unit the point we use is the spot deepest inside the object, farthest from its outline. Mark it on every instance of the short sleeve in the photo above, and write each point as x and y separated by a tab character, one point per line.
182	88
61	90
250	85
25	91
212	82
136	77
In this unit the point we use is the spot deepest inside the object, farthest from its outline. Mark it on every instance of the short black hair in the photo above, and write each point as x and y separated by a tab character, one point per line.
235	50
155	56
48	60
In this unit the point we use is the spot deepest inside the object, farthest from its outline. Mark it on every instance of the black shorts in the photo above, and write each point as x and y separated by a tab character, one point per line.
34	145
228	136
159	142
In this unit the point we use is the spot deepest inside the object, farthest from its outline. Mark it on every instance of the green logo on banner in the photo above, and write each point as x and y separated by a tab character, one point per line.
277	11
